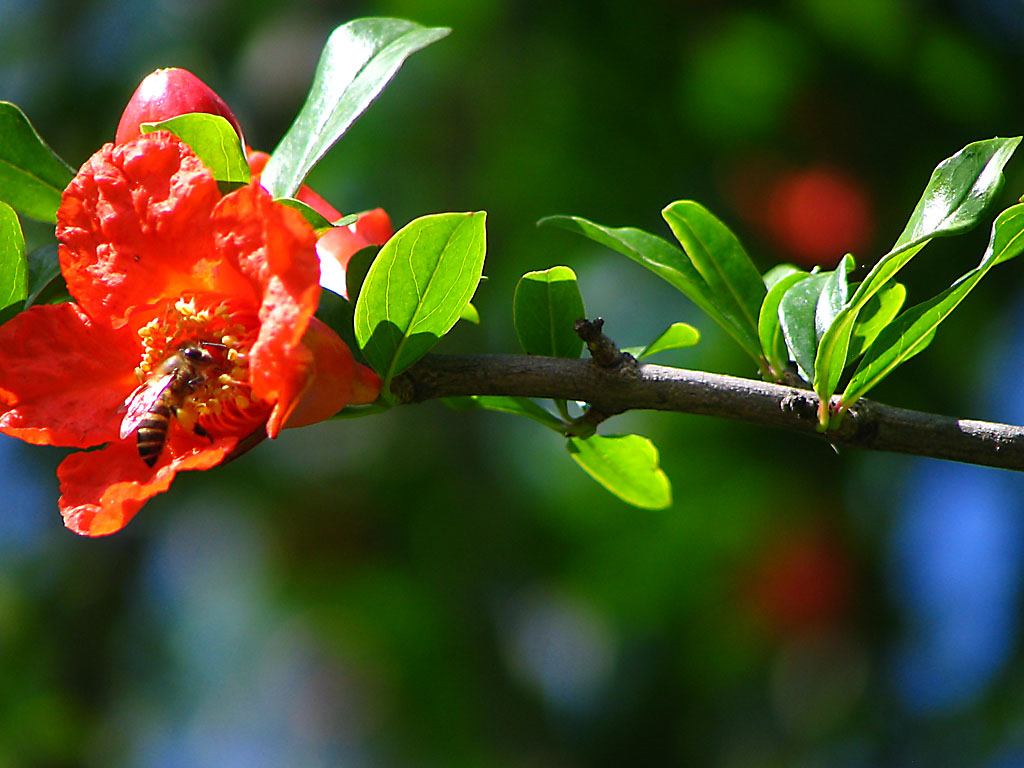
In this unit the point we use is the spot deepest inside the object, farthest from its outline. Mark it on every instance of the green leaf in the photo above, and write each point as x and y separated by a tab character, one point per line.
626	465
833	297
779	271
214	141
831	302
470	314
736	286
959	190
13	267
359	411
676	336
520	406
339	315
914	330
769	327
355	271
876	315
43	269
359	59
418	287
32	177
663	259
314	219
797	316
545	306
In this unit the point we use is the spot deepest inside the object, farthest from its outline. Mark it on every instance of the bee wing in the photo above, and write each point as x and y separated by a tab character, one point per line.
141	402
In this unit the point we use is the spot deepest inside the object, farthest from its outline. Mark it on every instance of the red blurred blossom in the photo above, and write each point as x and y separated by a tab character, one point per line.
814	215
802	580
155	258
819	214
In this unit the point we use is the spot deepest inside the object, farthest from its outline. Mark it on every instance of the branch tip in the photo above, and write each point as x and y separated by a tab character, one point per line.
603	350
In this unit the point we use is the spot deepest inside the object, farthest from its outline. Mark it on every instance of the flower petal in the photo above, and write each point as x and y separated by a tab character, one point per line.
292	387
365	386
63	376
275	249
135	226
102	490
374	226
328	385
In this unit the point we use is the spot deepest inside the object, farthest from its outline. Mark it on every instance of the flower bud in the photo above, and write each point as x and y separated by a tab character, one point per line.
168	93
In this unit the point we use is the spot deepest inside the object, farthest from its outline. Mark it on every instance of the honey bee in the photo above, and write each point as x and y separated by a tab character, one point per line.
151	406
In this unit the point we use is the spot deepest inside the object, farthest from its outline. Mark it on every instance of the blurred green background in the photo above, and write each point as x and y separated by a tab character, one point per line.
431	588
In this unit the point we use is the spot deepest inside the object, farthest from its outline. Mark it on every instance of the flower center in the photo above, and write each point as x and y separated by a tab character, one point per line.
226	332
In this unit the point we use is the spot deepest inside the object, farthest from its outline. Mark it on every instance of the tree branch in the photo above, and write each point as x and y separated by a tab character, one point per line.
630	386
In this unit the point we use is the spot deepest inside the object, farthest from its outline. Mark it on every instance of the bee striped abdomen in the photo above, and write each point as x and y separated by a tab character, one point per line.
152	433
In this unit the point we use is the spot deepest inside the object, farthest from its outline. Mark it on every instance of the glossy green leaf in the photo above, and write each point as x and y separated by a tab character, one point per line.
834	295
959	190
418	287
626	465
834	346
876	315
545	306
359	59
13	267
736	286
214	141
32	177
519	406
676	336
797	311
831	302
914	330
769	327
663	259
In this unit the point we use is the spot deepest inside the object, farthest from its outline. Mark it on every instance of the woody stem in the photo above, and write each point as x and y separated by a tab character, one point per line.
629	386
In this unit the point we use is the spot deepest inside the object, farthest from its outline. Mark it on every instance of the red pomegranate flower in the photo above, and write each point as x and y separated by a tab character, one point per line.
162	267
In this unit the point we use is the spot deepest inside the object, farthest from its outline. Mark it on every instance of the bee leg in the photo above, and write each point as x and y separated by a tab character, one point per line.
188	421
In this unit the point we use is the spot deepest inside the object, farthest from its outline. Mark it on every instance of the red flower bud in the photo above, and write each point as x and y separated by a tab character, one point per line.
168	93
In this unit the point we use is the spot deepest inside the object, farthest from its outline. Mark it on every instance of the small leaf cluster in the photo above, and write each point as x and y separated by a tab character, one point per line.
32	179
819	323
545	307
